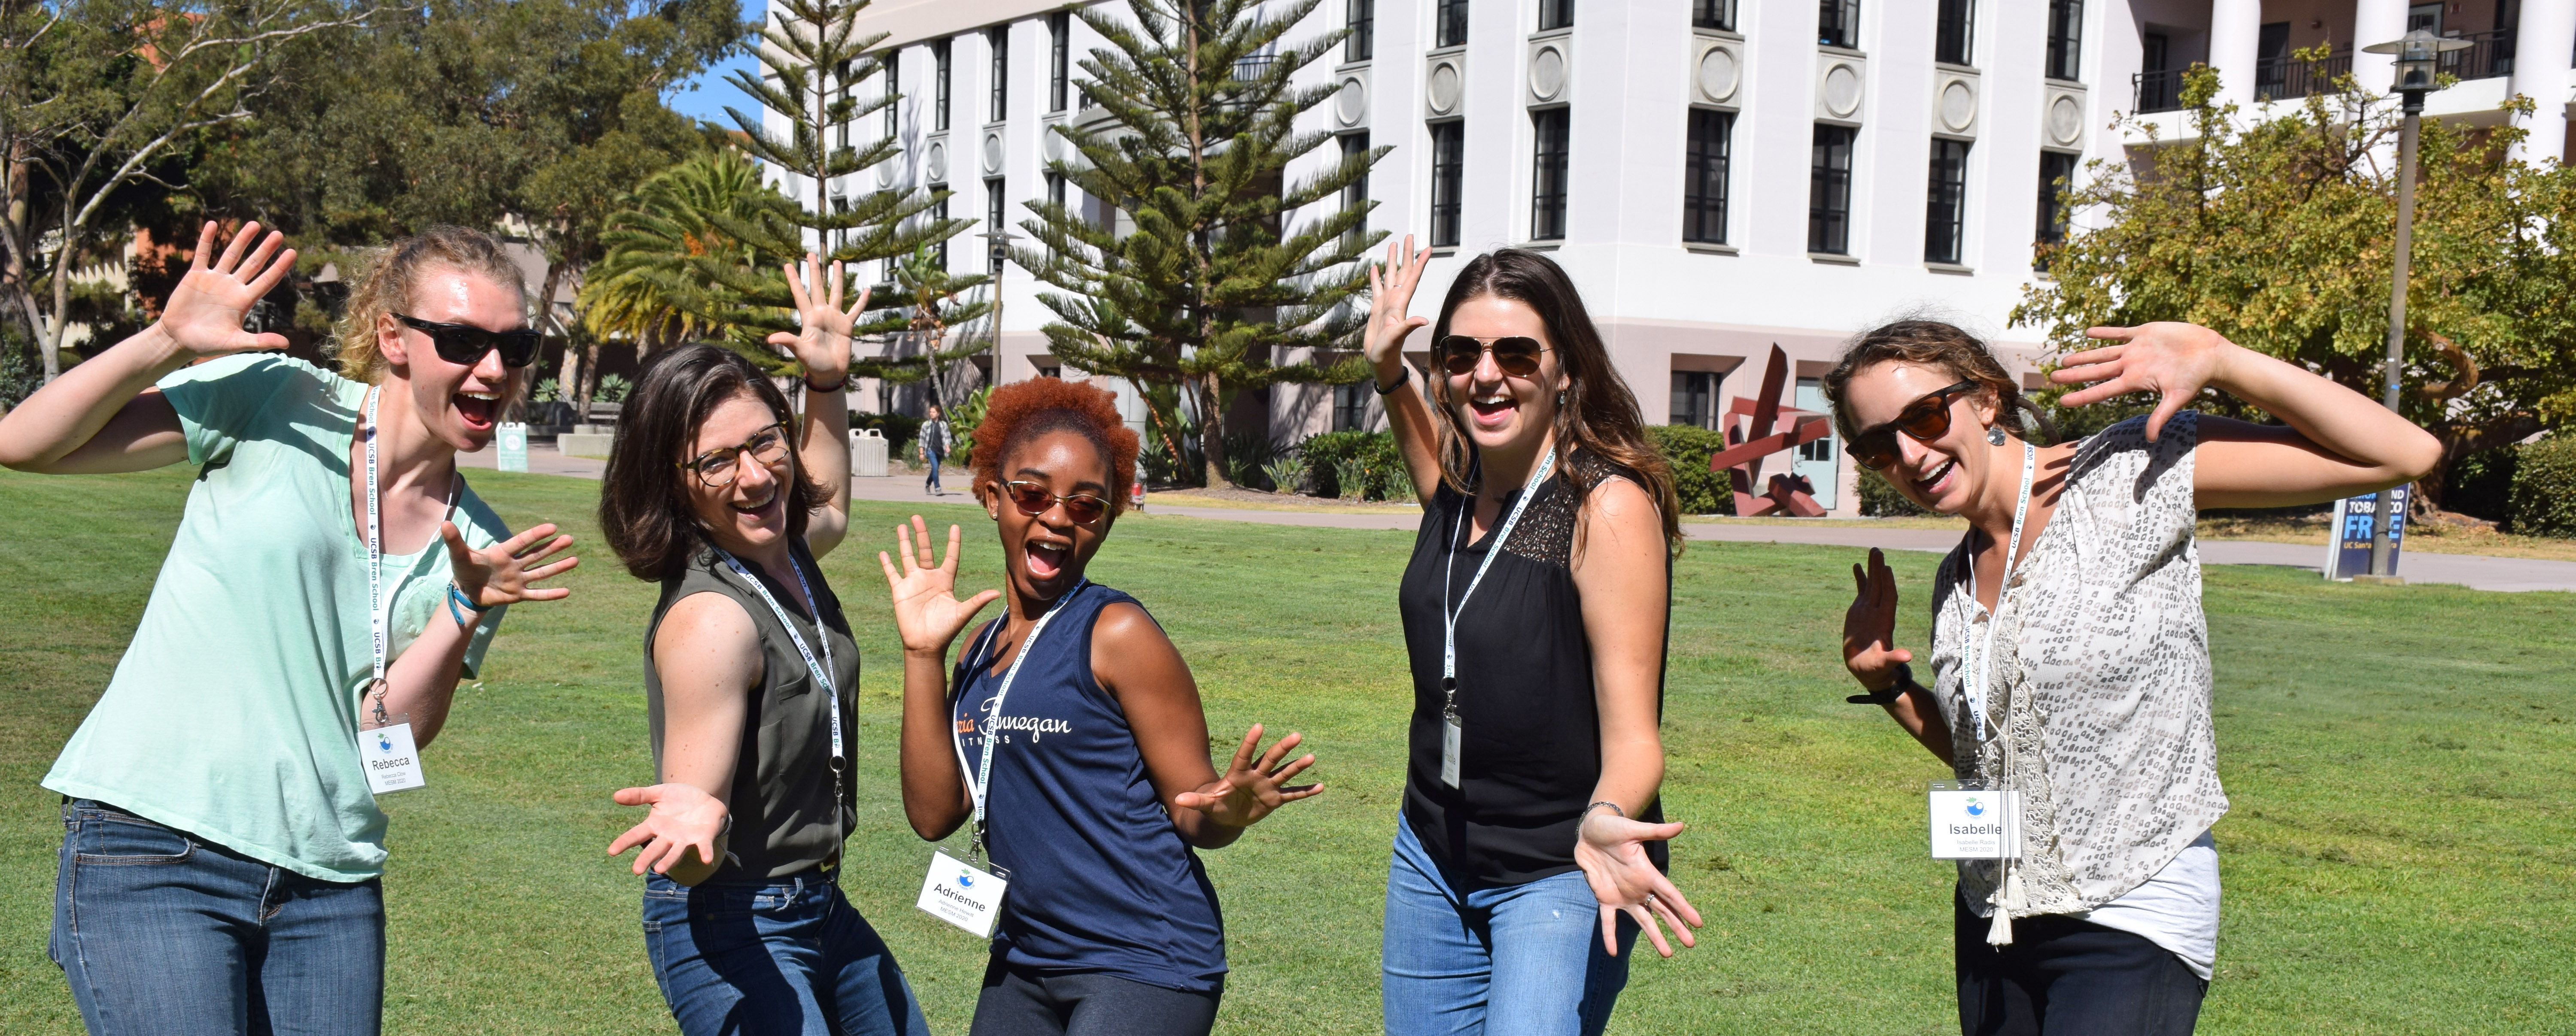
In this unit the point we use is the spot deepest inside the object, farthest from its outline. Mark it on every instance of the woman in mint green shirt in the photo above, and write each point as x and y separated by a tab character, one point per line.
222	844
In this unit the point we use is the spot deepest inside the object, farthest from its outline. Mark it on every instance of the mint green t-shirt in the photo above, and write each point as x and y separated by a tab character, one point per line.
234	714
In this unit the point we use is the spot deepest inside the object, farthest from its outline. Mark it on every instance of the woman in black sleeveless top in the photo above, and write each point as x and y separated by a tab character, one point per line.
1535	609
716	489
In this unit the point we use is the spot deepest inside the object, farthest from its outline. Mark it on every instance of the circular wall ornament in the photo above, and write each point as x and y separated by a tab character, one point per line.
885	173
934	162
992	153
1958	105
2065	119
1353	101
1842	90
1054	144
1718	73
1442	91
1547	73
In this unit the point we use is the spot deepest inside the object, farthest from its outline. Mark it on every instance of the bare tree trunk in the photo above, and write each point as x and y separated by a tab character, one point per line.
1212	432
50	341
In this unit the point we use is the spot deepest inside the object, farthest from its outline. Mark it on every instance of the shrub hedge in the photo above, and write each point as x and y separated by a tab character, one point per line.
1688	449
1878	499
1356	465
2544	489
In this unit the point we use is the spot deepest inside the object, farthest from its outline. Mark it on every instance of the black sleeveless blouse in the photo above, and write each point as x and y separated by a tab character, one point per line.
1531	744
784	819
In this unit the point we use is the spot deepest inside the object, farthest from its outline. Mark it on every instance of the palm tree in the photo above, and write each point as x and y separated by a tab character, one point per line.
644	289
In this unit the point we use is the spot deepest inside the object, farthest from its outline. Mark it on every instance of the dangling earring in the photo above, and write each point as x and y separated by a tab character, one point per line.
1994	435
1560	397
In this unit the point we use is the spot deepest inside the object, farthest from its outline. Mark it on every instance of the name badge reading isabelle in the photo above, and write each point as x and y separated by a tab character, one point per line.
1450	737
390	758
1972	822
962	894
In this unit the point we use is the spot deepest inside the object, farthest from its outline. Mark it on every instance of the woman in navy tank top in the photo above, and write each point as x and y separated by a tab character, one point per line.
1100	788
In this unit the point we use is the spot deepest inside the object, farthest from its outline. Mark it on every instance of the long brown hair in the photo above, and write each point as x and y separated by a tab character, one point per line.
1935	344
394	270
1599	413
643	501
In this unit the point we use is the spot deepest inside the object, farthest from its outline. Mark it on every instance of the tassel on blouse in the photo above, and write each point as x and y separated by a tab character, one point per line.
2007	898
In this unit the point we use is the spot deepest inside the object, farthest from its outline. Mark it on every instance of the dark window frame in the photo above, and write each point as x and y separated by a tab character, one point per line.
1695	393
1355	195
1829	189
1350	407
1055	189
942	82
1954	32
1713	14
1551	160
1555	14
996	202
893	66
2053	213
1448	180
1838	24
1360	16
998	41
1707	166
1449	23
938	213
1945	203
1059	61
2065	58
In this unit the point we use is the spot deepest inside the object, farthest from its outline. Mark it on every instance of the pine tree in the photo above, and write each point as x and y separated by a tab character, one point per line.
1216	278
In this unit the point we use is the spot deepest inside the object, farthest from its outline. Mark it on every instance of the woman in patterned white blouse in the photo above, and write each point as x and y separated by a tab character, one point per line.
2070	661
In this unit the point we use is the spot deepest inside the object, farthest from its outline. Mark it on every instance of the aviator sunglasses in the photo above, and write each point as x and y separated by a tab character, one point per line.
1516	355
465	344
1033	500
1925	419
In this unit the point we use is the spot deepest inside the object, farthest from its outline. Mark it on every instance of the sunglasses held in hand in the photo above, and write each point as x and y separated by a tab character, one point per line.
465	344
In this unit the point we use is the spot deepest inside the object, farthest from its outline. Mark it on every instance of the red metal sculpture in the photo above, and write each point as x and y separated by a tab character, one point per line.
1752	440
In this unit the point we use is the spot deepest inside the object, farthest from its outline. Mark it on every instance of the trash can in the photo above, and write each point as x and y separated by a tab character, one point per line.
867	453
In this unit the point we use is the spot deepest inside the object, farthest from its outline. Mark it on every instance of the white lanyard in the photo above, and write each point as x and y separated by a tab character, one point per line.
822	671
983	782
1493	547
378	616
1978	661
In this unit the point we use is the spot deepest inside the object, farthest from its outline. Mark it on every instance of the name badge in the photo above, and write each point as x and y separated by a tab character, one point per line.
962	894
1450	736
390	758
1972	822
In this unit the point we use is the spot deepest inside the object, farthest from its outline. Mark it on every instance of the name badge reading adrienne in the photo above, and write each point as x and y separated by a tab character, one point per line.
391	760
962	894
1972	822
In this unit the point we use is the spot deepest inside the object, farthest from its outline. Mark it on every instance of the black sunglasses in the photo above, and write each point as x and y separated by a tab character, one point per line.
465	344
1516	355
1925	419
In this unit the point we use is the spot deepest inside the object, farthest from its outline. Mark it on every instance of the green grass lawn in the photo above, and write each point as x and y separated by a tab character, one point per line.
2399	858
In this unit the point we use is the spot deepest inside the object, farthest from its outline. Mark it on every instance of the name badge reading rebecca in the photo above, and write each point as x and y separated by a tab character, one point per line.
962	894
391	760
1450	736
1971	822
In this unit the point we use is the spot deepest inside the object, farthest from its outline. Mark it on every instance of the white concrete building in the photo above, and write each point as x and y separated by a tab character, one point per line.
1716	175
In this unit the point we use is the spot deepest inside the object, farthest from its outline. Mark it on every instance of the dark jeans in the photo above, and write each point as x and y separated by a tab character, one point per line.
790	955
1019	1003
2064	977
932	483
160	932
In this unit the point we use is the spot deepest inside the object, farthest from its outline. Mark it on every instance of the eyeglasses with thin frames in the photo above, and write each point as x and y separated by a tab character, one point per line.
718	467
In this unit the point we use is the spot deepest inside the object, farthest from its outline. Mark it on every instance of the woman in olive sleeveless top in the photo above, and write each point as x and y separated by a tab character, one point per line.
717	490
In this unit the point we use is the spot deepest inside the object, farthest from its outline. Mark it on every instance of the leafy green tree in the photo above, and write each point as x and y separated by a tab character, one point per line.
2279	232
1213	282
642	289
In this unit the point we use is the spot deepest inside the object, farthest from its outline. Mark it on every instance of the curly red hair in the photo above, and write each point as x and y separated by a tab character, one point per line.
1022	411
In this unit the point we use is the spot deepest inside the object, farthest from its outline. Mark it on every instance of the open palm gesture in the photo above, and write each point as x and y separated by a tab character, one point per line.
2173	360
1611	849
504	573
927	613
1250	790
1869	626
204	315
822	341
1390	298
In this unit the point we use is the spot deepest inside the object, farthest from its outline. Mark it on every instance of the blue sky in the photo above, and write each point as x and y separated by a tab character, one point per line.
706	95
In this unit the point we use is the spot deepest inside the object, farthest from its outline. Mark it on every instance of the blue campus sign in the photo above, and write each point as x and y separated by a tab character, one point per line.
2348	554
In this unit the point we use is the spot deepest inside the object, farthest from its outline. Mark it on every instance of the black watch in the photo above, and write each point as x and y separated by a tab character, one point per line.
1904	679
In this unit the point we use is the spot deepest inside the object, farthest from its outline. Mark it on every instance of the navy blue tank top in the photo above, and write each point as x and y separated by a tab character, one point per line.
1100	880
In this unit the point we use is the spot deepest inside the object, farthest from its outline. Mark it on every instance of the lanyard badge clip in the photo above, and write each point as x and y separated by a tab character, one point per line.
1453	731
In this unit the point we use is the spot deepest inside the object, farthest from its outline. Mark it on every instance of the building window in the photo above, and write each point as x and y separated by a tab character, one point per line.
1810	392
1954	25
939	80
993	216
1829	191
1448	176
1055	189
1001	45
938	212
1945	203
2056	174
1051	372
1555	14
1059	60
1449	24
1712	136
1713	14
1350	407
892	87
2065	39
1361	17
1355	196
1547	175
1838	23
1695	399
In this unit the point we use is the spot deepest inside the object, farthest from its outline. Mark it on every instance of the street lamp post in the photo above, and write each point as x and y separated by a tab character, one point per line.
1001	237
2418	52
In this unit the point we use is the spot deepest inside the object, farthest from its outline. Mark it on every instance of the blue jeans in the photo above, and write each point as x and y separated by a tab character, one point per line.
160	932
933	483
784	956
1516	960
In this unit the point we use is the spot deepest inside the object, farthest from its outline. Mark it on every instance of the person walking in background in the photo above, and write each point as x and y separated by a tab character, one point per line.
715	489
2070	660
1535	610
1071	736
332	579
934	449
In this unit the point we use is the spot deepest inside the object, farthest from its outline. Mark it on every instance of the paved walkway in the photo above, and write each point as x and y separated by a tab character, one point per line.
2476	571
